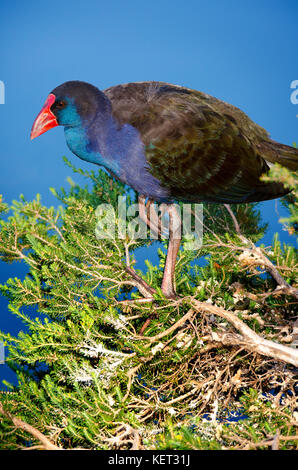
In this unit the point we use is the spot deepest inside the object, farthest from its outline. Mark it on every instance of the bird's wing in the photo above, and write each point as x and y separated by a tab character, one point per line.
198	147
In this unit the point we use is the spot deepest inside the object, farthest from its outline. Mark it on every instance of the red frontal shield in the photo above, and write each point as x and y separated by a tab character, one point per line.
45	120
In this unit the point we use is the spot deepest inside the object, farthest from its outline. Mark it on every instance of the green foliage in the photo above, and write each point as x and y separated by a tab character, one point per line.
261	425
88	379
289	179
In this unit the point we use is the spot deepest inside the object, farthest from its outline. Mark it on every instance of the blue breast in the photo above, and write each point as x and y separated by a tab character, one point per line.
119	150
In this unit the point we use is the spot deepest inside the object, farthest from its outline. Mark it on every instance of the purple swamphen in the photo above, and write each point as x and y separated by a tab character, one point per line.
169	143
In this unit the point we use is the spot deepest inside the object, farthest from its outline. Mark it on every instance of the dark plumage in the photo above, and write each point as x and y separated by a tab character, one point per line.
168	143
198	147
171	143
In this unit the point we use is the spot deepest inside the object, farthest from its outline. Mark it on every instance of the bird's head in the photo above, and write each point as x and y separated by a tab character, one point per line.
71	104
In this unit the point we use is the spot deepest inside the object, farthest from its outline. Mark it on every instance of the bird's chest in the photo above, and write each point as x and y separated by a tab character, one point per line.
122	153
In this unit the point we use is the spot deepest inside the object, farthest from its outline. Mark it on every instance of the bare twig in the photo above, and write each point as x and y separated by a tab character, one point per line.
142	285
18	423
126	434
249	339
256	257
170	330
235	221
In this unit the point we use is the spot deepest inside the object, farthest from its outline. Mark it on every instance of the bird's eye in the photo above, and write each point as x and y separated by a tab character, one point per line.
59	104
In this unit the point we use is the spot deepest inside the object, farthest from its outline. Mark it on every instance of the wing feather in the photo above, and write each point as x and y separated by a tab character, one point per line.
198	147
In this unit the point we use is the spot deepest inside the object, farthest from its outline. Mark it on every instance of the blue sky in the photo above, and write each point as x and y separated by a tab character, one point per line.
242	52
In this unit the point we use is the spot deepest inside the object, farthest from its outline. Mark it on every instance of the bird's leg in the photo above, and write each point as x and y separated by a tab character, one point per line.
153	223
148	215
168	281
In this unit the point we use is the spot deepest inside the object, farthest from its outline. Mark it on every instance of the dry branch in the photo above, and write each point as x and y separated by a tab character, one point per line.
249	339
19	424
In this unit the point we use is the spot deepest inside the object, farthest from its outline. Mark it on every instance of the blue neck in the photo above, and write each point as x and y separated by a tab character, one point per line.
82	144
118	149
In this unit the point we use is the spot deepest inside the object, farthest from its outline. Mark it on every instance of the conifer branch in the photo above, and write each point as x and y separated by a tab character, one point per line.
46	444
104	369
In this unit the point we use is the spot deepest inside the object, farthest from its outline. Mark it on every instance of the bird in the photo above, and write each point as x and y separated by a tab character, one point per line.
169	143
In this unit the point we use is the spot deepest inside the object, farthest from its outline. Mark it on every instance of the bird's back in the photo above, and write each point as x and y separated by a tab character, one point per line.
198	147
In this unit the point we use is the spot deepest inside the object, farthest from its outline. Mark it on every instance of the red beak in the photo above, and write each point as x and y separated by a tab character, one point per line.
45	120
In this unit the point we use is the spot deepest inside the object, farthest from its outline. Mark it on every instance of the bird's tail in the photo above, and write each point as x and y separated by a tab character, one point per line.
274	152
